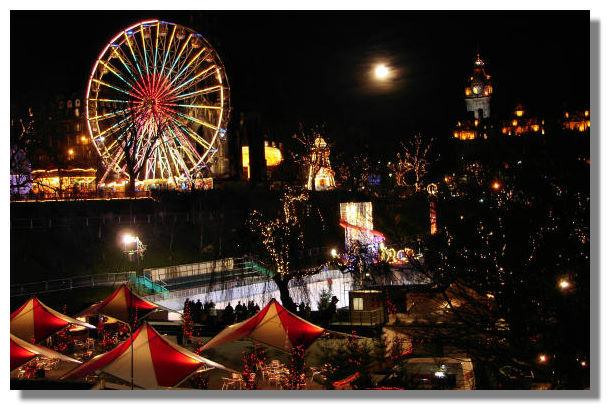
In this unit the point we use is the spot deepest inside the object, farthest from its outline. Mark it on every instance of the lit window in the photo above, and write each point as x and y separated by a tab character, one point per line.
357	304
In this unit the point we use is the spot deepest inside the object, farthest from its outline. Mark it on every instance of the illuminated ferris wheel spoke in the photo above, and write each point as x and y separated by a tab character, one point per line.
122	101
187	67
107	116
200	122
209	107
156	46
114	87
112	128
197	138
208	72
188	148
144	49
169	43
179	55
171	156
115	72
199	92
125	62
132	52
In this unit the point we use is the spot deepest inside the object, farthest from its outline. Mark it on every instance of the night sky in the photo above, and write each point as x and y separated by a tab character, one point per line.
313	67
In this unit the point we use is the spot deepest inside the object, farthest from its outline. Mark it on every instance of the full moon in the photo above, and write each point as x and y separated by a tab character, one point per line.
381	72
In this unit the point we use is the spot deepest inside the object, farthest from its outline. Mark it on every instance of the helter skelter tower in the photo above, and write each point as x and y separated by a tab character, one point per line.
479	90
320	173
158	96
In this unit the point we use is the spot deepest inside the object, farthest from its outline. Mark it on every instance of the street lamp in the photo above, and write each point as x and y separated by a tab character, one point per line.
133	245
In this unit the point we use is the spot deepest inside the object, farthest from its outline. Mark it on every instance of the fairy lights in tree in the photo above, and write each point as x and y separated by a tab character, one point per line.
411	162
252	361
296	369
187	323
281	236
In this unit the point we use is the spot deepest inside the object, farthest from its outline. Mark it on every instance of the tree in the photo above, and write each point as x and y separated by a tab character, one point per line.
499	258
138	147
23	139
187	322
296	369
281	235
252	361
143	131
354	174
412	160
353	359
365	265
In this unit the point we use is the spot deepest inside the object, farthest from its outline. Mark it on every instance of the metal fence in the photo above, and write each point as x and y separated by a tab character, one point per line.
62	284
85	221
245	271
68	195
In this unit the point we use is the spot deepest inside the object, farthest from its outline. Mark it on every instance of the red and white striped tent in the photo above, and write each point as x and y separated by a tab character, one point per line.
22	352
122	304
273	325
156	362
34	321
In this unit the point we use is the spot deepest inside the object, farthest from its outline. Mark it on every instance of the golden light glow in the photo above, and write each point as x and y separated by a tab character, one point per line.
129	239
71	152
273	157
496	185
564	284
382	72
542	358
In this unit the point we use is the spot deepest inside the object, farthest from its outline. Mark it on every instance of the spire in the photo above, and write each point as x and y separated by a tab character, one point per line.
479	61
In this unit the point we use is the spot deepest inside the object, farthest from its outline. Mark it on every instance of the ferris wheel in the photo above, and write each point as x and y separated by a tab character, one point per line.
157	103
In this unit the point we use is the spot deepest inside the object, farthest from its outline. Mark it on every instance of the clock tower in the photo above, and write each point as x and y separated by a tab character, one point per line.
479	90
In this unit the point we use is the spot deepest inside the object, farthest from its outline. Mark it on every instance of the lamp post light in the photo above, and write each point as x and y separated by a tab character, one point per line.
133	247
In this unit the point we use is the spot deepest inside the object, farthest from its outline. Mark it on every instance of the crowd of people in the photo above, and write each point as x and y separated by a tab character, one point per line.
206	312
241	312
